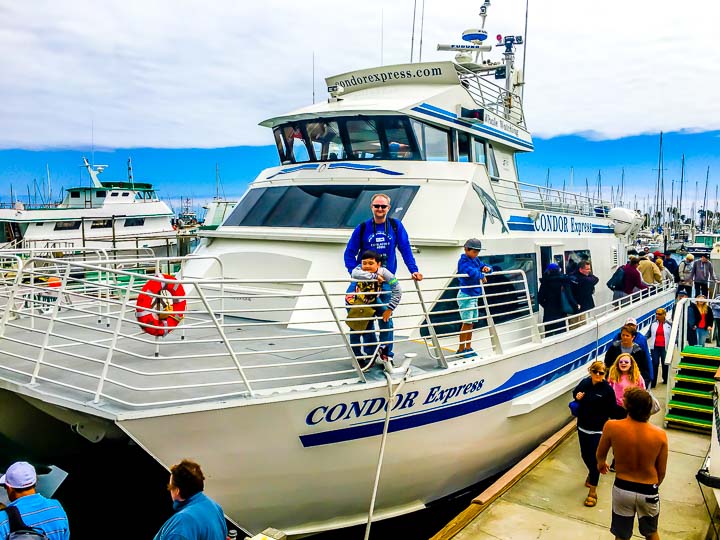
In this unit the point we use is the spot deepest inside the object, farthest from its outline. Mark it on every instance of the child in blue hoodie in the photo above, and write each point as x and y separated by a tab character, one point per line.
470	290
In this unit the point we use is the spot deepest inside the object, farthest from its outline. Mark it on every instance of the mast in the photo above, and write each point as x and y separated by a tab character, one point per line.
130	172
682	182
704	218
657	182
94	171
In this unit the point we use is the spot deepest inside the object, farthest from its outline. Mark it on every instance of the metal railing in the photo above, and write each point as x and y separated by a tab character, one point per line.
520	195
492	97
72	329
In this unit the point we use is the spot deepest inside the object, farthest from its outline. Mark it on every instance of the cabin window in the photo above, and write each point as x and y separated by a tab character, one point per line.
337	207
100	194
573	258
101	224
463	151
492	163
478	151
74	194
125	194
352	137
67	225
434	142
364	139
39	224
114	194
326	141
134	222
506	295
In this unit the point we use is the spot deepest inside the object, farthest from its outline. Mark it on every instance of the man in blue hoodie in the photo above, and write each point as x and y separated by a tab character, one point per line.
197	516
470	290
382	235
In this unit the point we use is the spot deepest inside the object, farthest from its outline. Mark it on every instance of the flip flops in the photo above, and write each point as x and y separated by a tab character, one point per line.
590	500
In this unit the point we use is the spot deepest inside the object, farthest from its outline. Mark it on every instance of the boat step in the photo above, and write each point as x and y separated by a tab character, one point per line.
697	367
677	404
696	422
680	377
689	392
693	351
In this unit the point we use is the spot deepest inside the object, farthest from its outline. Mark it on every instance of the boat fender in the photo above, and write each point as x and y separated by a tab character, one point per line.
706	479
160	322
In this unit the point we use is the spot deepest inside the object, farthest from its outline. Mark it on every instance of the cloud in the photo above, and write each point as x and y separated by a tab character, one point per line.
175	74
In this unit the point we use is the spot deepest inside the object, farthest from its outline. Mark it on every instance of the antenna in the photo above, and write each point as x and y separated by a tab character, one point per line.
92	141
382	35
313	75
522	88
422	25
412	39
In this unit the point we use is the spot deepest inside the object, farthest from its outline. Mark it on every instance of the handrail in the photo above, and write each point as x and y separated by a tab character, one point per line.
238	337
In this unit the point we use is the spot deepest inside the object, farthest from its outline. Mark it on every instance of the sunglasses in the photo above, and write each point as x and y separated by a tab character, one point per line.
597	372
383	206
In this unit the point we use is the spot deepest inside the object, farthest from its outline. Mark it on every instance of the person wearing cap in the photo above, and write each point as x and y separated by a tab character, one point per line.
553	284
470	290
197	516
36	511
641	340
702	274
685	273
627	345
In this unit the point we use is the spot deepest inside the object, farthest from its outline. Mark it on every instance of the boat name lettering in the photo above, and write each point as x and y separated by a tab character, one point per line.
389	75
550	223
501	124
369	407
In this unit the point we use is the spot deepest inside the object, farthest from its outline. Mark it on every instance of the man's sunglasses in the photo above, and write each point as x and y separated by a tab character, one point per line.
383	206
596	372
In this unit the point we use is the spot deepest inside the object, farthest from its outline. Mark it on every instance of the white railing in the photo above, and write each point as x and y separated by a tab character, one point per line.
520	195
491	96
71	329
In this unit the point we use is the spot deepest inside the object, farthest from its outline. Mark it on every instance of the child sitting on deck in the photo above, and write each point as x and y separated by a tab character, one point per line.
370	274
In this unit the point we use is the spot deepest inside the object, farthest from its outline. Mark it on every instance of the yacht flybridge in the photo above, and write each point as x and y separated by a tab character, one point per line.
115	215
243	360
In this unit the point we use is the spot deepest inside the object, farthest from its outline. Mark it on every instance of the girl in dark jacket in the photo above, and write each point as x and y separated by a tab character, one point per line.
626	345
596	406
552	285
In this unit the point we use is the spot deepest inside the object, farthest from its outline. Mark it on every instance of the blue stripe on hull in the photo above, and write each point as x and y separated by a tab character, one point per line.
519	383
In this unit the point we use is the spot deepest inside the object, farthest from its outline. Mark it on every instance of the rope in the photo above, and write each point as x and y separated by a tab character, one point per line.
392	394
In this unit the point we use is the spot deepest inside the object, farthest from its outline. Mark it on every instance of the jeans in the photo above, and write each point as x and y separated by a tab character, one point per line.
657	355
368	340
387	334
701	334
588	447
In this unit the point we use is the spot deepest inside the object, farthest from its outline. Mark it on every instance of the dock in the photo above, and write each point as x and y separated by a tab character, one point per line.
542	496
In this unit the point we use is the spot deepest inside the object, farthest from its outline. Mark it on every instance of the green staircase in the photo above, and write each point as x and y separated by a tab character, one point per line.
691	405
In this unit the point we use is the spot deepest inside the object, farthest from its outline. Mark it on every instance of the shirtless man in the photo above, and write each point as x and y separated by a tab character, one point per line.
641	452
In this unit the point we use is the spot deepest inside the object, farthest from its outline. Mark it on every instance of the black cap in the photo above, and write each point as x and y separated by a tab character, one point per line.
473	243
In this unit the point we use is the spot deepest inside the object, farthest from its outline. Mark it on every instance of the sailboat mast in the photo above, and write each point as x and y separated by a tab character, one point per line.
707	178
657	183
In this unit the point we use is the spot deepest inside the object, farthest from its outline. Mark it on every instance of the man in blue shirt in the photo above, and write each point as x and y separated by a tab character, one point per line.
37	512
382	235
197	516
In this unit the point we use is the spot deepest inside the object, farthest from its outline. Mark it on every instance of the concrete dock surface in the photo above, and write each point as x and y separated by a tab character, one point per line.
547	502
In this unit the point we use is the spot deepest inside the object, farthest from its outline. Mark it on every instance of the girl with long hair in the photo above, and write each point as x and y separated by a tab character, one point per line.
702	317
624	373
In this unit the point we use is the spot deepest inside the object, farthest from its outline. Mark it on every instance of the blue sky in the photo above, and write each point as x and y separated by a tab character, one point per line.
603	79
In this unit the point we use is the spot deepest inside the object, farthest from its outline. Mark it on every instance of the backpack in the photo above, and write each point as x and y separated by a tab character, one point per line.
18	529
617	281
393	226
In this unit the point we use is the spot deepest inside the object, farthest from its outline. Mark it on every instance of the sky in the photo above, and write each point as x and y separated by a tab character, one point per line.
180	86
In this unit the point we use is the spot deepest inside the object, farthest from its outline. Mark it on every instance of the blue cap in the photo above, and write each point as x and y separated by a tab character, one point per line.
552	266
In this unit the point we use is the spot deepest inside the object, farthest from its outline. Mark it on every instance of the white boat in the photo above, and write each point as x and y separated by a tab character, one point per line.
258	382
116	216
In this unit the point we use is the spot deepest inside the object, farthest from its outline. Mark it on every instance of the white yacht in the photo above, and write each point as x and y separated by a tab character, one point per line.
243	361
115	215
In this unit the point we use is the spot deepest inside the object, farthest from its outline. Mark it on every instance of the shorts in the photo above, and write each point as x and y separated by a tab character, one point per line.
468	306
630	498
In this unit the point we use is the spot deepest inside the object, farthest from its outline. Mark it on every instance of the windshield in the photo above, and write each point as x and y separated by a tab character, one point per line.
357	138
338	207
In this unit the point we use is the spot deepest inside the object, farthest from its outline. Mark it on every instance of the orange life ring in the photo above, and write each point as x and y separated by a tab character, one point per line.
155	316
